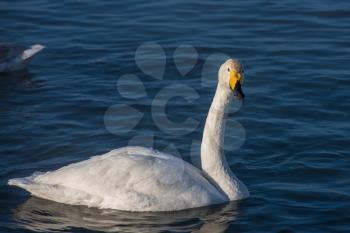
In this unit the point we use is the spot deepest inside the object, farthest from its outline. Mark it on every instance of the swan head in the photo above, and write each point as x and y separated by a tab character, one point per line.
231	77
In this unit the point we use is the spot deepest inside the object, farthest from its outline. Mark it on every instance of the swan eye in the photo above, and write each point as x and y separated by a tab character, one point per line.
228	69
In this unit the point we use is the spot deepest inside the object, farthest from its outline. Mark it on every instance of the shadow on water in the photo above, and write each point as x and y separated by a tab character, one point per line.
42	215
15	79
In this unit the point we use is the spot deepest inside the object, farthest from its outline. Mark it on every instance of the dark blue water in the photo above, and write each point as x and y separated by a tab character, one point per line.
288	142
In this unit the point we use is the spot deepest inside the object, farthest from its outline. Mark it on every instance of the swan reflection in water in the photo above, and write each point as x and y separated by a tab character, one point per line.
46	216
19	81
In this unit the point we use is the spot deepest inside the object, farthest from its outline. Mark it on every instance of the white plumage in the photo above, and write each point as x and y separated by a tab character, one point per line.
143	179
130	178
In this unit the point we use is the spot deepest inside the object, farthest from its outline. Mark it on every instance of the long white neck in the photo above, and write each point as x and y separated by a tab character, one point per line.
214	164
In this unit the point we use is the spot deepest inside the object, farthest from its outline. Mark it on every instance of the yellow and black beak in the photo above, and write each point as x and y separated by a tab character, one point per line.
236	84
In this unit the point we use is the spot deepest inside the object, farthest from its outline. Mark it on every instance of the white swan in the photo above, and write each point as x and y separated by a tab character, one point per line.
15	57
142	179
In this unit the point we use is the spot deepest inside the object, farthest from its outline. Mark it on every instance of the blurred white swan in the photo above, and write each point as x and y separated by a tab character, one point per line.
15	57
142	179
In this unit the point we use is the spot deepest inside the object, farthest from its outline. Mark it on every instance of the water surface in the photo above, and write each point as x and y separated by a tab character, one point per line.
289	141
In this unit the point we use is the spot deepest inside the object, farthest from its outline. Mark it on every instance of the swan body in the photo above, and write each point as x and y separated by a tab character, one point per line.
143	179
14	57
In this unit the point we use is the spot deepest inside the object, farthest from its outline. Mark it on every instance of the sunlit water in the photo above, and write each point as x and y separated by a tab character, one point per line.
288	142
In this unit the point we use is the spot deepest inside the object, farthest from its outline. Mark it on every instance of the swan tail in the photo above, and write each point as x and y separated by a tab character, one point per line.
28	183
55	192
31	52
20	182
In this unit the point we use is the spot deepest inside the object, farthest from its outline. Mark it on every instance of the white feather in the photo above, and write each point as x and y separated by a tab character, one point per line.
142	179
15	57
